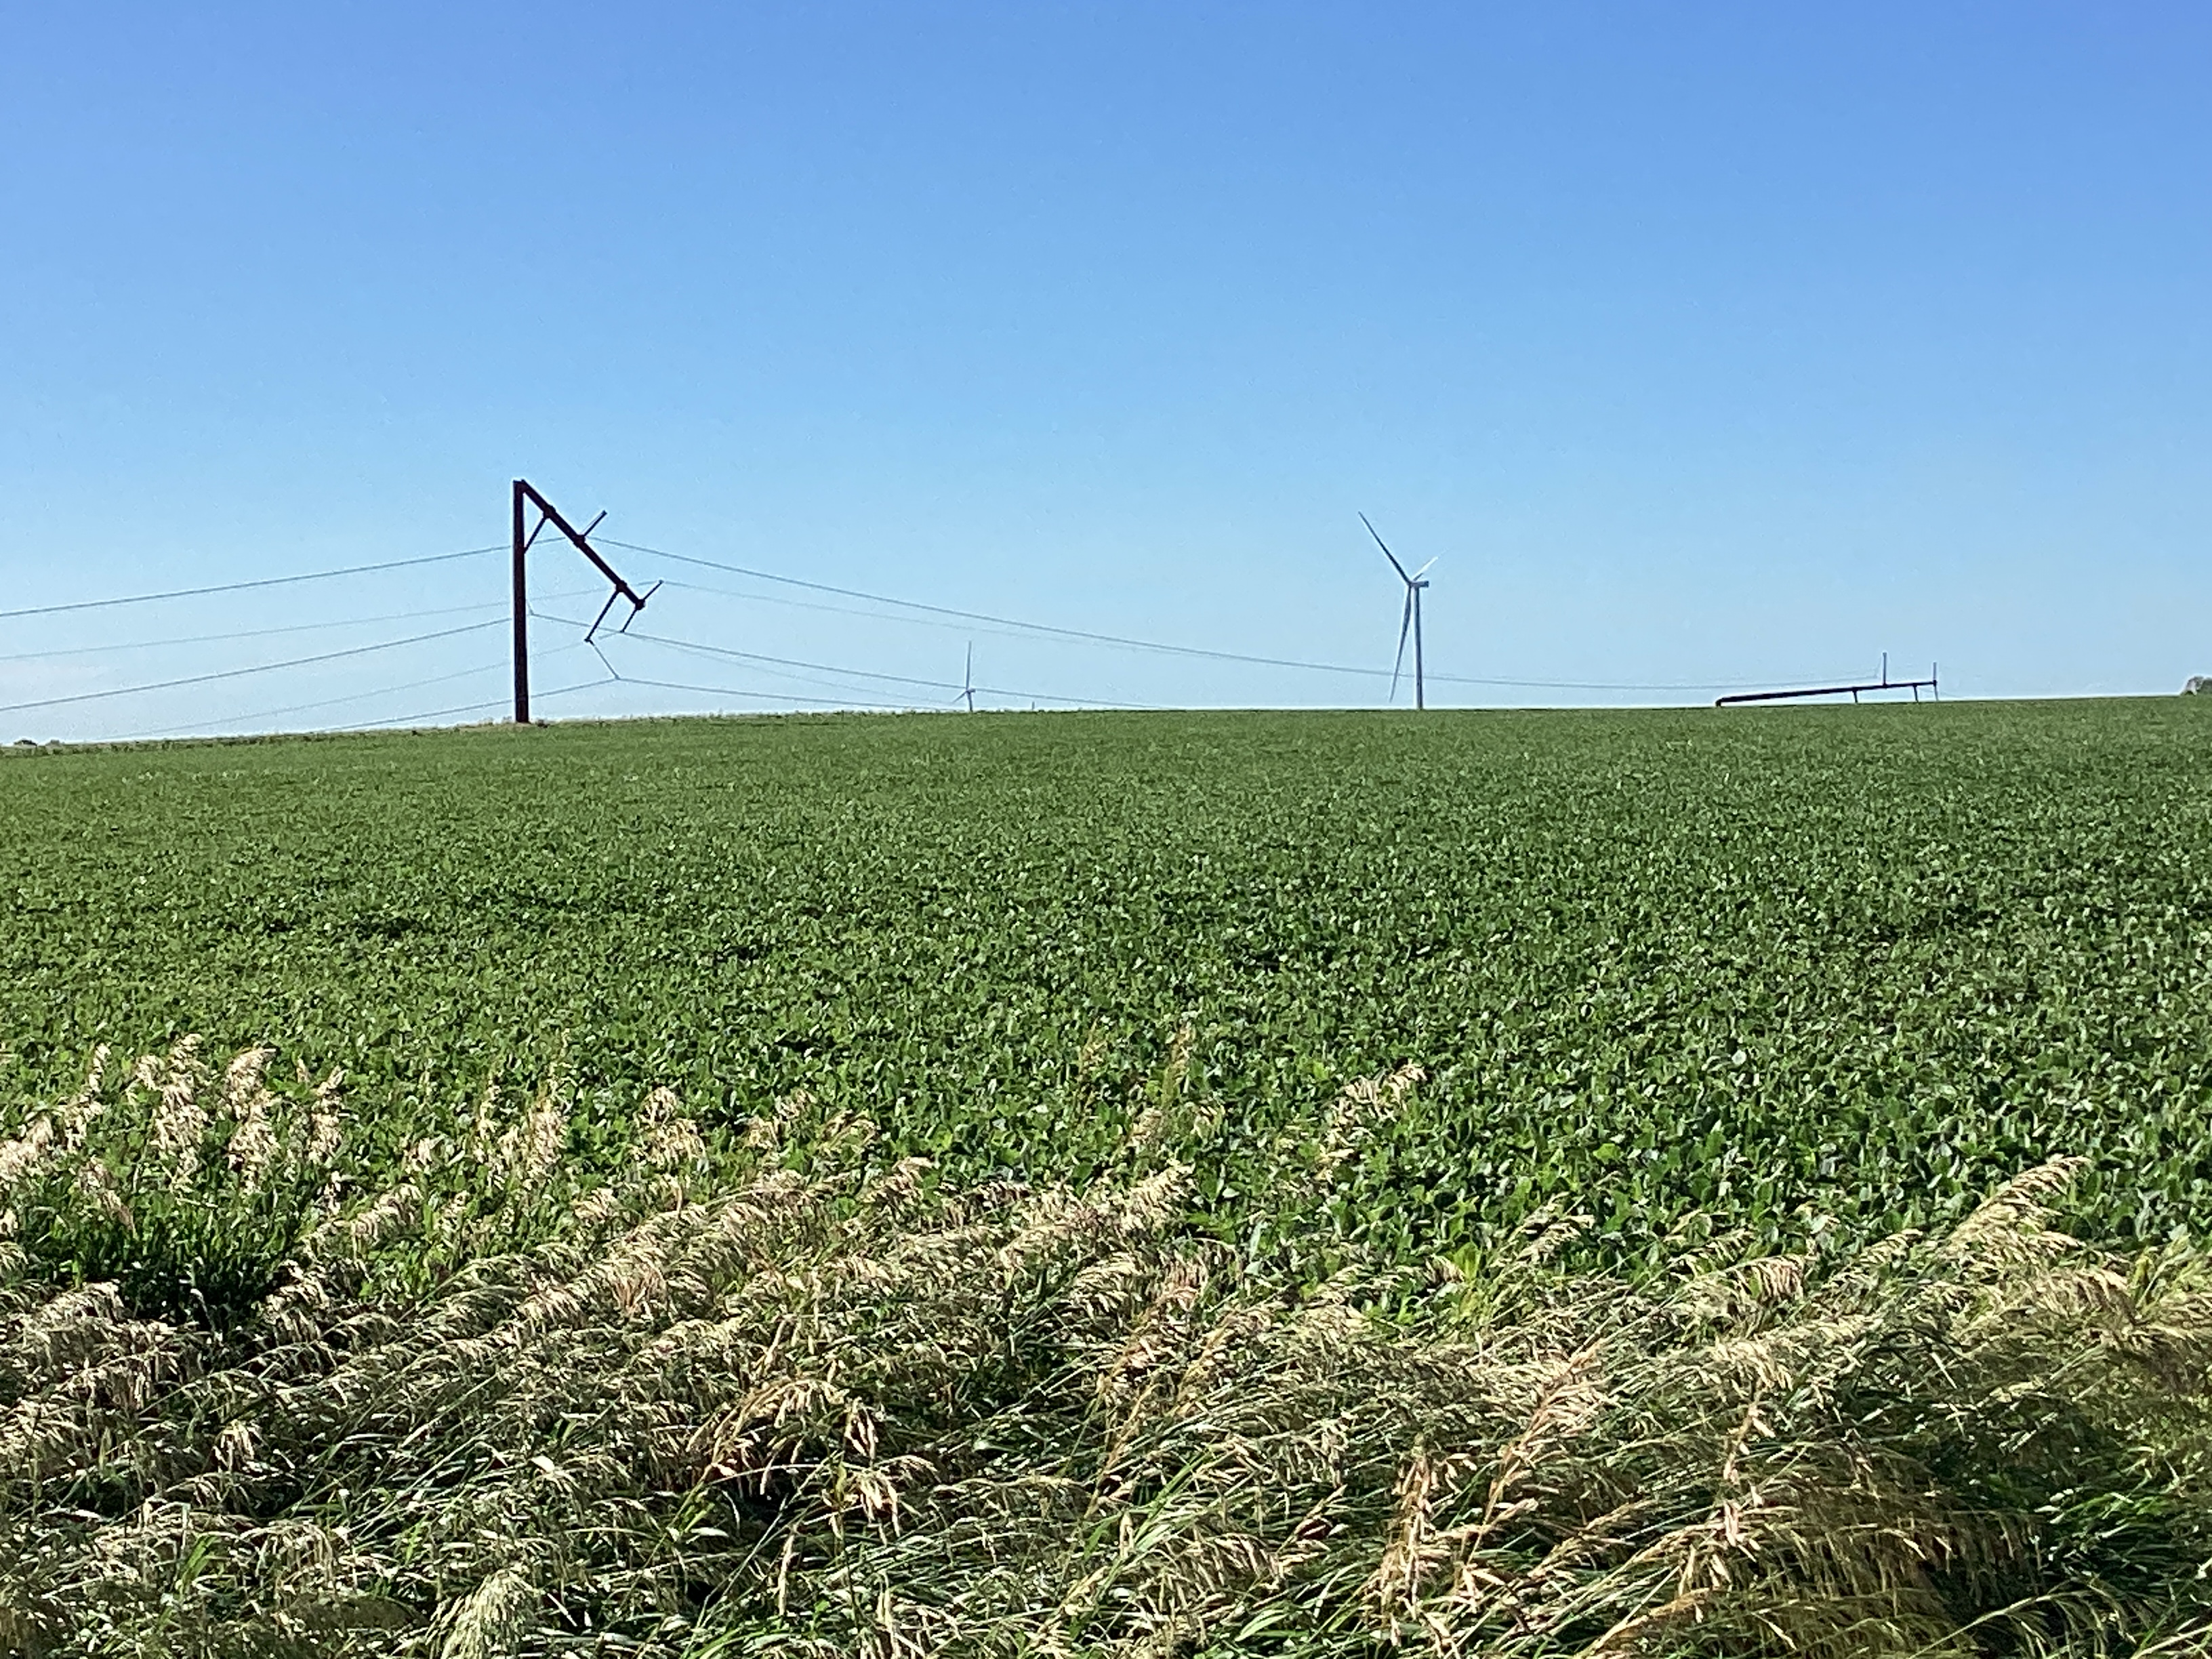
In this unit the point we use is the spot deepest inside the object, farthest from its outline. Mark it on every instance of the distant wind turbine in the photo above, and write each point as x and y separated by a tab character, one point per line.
968	678
1411	623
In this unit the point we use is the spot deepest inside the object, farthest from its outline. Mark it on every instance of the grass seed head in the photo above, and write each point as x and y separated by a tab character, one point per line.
839	1407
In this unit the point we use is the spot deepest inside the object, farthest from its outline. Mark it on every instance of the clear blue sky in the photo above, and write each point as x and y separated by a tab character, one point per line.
1699	343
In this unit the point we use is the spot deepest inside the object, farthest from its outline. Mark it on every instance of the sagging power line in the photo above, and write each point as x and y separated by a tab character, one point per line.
1127	642
852	682
775	665
491	667
241	587
110	648
493	706
240	673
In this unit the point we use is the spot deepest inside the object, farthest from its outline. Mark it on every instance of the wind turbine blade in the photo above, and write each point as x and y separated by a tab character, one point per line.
1405	626
1387	553
1424	570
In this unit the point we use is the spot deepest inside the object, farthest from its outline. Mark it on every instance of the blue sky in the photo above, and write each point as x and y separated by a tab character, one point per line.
1700	344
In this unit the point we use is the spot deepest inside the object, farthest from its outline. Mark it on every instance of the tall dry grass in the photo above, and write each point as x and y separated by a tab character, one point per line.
787	1396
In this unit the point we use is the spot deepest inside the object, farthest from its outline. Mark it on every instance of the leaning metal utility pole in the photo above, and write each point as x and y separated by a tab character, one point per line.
548	514
522	615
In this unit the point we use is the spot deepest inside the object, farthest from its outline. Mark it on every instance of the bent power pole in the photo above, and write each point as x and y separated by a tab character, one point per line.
526	496
1885	684
521	613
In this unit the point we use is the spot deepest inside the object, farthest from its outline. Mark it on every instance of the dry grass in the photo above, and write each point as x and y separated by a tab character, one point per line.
788	1398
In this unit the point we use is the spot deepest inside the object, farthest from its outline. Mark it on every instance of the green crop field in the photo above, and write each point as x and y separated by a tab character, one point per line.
1870	960
1674	1183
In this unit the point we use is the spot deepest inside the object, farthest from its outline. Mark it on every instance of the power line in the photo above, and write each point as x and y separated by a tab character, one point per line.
826	679
950	625
239	587
1012	631
434	713
1125	642
1018	630
759	663
999	622
924	613
1053	696
354	697
855	708
259	668
790	662
773	673
467	709
857	673
251	633
756	696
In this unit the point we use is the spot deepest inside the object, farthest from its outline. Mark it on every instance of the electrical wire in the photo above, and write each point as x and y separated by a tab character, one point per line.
848	688
470	708
857	708
778	667
1125	642
259	668
956	687
1012	632
1051	697
773	673
761	696
251	634
949	627
790	662
241	587
1000	621
1026	631
418	719
354	697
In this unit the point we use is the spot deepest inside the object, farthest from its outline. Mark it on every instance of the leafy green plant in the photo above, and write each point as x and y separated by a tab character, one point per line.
1661	964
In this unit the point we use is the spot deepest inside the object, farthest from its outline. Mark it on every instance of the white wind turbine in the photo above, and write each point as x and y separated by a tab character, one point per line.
1411	623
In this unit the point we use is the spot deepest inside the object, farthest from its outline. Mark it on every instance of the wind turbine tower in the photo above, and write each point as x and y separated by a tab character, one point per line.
1410	622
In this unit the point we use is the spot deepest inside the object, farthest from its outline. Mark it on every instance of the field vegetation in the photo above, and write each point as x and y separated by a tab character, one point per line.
1666	1184
1659	966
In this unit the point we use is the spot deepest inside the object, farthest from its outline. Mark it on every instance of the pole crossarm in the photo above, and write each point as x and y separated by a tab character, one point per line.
551	514
526	496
